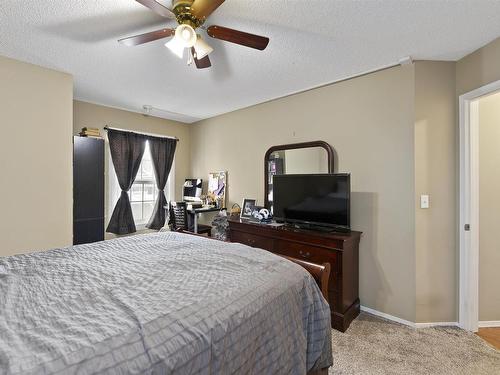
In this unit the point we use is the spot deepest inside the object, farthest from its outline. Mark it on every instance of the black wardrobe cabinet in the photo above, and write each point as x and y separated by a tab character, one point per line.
88	190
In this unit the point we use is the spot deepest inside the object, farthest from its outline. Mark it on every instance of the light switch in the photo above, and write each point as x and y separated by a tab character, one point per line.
424	201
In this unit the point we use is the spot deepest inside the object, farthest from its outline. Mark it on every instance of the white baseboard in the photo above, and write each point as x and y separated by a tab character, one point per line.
387	316
436	324
408	323
489	324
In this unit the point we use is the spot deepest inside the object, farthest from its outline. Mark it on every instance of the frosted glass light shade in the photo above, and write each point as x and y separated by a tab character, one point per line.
176	47
202	48
186	35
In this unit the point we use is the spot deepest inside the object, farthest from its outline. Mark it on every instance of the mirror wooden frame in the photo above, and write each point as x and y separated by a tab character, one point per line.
294	146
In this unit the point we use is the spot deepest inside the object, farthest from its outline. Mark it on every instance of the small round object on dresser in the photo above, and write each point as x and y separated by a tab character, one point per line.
264	214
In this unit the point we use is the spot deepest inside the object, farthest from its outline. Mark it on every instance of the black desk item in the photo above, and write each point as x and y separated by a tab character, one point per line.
201	210
179	218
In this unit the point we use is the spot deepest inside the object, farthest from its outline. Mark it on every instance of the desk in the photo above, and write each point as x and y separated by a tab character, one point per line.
197	211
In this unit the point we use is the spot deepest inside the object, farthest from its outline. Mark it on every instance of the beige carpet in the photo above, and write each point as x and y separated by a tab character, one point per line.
377	346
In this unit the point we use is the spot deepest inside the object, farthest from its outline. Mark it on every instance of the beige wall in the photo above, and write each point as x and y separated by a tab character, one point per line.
479	68
35	158
435	175
369	121
489	208
97	116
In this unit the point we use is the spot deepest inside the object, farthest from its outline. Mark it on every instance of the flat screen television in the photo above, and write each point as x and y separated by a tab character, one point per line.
321	200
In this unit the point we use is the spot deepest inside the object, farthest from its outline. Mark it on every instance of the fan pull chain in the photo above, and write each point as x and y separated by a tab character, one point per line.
190	59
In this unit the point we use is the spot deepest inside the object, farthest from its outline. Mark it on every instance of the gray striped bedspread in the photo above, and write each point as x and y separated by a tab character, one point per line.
162	303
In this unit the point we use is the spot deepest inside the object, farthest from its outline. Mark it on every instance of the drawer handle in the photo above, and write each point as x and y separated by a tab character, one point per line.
304	255
251	242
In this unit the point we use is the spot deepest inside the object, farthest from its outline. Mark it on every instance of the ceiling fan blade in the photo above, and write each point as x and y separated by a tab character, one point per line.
148	37
202	63
204	8
157	8
238	37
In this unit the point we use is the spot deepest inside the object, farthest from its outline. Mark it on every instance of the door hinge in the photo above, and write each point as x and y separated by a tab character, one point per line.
467	227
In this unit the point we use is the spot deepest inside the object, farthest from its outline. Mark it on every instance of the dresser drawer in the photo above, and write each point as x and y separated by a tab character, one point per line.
252	240
308	253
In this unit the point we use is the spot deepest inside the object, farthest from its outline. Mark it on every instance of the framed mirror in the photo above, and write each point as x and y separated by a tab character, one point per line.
296	158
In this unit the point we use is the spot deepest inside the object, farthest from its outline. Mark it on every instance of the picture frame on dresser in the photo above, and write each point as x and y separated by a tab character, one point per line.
247	208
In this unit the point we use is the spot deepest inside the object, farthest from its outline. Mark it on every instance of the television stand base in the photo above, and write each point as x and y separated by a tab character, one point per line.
318	228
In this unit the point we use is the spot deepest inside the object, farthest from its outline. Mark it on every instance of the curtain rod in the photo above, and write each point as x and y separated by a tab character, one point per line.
141	133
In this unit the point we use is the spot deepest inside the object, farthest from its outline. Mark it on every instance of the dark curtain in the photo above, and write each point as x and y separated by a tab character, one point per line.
127	150
162	154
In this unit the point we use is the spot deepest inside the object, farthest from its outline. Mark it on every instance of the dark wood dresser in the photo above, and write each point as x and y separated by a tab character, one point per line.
341	250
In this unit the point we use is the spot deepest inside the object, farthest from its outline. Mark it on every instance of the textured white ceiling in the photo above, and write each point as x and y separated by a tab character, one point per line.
313	42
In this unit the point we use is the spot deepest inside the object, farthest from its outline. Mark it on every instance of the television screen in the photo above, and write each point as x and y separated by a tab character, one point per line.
319	199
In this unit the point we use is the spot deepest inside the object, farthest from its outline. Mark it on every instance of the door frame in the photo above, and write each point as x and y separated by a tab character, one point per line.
469	205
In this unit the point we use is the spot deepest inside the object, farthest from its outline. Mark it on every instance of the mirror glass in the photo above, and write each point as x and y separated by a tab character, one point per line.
308	160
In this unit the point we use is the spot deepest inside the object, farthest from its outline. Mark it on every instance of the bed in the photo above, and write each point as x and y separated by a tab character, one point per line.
162	303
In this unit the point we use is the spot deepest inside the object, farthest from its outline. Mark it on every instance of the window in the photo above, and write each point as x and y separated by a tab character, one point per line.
143	193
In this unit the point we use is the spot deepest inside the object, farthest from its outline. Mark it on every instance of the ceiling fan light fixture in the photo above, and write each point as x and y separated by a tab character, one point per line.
186	35
191	15
202	48
176	47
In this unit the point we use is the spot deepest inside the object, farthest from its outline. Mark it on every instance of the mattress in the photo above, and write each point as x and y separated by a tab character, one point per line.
162	303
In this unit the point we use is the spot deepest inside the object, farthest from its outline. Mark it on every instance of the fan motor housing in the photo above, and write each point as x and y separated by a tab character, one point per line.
182	11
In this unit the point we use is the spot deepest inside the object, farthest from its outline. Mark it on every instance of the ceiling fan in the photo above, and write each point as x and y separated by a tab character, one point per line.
191	15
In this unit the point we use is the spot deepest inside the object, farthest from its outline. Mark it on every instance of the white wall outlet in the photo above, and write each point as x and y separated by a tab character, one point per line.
424	201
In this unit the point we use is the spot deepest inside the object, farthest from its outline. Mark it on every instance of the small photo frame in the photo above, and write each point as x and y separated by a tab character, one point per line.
247	208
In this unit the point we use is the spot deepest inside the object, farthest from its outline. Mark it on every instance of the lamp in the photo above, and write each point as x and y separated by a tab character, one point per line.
176	47
201	48
185	37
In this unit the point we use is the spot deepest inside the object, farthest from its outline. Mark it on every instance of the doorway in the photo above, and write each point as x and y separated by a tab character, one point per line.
471	140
